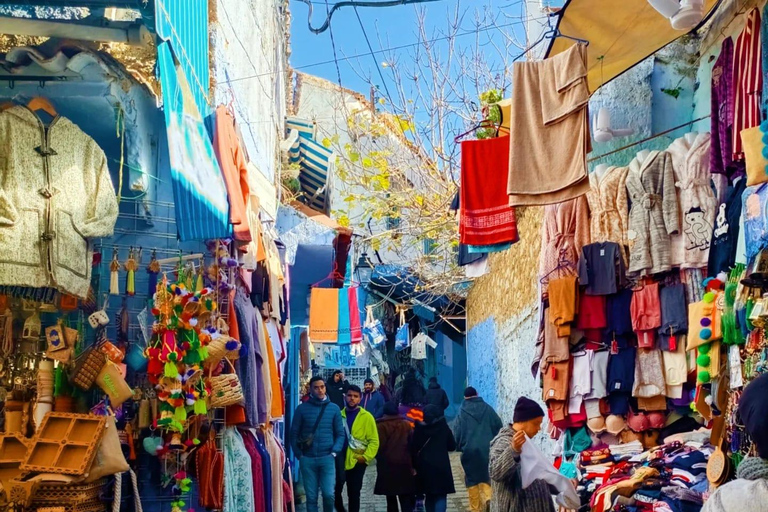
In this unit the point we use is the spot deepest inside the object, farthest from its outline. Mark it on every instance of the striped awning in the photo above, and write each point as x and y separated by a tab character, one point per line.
315	160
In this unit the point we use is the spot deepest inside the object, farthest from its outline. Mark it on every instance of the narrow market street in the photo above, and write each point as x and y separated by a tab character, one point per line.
369	502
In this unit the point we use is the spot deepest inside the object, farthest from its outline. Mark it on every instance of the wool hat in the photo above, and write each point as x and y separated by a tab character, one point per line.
470	392
752	406
526	409
390	409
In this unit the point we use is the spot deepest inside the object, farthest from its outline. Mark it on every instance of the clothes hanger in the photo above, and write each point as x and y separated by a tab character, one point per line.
562	263
485	123
40	103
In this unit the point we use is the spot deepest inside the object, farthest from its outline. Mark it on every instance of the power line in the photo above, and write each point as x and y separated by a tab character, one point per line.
355	4
333	45
375	64
389	49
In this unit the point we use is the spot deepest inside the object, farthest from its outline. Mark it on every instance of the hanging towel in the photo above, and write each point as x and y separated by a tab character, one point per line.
550	139
324	315
345	337
486	217
355	328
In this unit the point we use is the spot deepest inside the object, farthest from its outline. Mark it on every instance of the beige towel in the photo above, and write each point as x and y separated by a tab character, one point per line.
550	136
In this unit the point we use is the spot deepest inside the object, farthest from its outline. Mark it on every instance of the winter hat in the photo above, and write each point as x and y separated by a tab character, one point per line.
470	392
390	409
525	410
752	407
431	414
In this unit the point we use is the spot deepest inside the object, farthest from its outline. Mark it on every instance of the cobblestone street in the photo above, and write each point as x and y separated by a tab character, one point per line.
458	502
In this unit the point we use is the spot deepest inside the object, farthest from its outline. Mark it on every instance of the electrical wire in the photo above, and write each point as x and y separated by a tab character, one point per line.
388	49
375	64
339	5
333	44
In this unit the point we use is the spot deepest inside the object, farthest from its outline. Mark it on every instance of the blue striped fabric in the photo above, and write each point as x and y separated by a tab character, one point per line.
315	161
200	196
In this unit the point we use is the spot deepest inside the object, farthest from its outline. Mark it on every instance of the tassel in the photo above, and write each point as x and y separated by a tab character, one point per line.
131	265
171	370
200	407
114	283
153	269
181	414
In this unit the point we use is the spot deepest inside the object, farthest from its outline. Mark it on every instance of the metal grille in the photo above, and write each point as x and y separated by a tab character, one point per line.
354	376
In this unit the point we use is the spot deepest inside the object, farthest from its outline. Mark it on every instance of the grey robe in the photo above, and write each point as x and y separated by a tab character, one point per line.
653	216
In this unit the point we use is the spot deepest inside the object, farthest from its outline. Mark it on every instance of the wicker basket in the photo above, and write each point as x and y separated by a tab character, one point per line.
225	388
70	493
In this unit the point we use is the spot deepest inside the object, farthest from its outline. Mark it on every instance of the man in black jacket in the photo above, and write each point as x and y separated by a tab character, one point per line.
436	395
337	388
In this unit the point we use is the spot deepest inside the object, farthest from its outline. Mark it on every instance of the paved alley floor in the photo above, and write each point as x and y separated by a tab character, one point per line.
458	502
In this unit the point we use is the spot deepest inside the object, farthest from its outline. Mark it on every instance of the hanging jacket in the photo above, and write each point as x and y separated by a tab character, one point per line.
56	195
475	427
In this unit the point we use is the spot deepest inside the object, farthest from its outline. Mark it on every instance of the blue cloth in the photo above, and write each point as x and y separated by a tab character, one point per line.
436	503
621	370
250	365
330	434
318	473
266	471
485	249
312	263
374	404
345	332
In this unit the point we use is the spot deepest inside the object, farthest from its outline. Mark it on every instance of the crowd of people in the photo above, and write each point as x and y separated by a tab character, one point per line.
340	429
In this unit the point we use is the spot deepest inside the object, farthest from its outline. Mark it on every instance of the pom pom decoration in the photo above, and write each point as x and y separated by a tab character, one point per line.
703	360
704	349
704	377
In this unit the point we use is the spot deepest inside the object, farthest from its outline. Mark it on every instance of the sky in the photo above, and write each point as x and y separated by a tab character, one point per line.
386	27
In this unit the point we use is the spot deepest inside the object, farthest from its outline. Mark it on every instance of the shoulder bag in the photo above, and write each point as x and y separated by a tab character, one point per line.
305	442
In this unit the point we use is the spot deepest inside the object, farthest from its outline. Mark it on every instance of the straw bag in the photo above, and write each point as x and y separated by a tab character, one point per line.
109	457
222	346
111	381
755	153
225	388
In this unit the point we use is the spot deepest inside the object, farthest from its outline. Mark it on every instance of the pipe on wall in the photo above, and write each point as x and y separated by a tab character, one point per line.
135	35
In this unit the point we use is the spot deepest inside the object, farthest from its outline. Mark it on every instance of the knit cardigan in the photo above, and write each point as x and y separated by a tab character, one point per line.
507	492
748	492
55	195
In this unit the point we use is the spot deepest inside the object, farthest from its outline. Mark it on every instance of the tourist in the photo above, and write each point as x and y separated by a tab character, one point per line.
317	436
337	388
394	467
362	446
474	428
373	402
432	442
412	391
436	395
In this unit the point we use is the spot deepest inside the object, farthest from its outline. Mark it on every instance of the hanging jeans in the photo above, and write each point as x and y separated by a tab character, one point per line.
436	503
318	473
407	503
354	480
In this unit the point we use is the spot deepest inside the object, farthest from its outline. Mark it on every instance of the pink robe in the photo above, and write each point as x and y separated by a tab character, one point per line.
564	232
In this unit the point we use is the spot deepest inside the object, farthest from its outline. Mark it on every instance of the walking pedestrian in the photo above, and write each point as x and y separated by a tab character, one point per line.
432	440
317	435
362	446
412	391
436	395
337	388
373	402
504	467
395	477
475	427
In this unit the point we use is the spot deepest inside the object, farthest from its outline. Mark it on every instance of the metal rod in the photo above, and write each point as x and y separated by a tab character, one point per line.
598	157
165	261
135	35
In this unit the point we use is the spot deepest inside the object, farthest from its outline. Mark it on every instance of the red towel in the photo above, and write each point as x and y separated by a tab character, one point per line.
486	217
356	330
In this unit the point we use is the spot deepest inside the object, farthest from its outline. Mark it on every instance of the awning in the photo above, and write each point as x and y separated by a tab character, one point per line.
315	160
620	34
320	218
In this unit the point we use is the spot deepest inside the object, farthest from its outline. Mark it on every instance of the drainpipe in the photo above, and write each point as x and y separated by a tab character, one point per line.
134	35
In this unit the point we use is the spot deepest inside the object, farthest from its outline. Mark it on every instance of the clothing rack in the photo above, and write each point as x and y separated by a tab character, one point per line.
642	141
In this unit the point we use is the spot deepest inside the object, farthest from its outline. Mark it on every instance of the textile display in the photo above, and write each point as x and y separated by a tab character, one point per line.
486	217
549	110
324	315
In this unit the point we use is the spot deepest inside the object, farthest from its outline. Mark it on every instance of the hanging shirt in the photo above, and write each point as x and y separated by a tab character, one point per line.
601	268
747	80
721	154
419	346
722	254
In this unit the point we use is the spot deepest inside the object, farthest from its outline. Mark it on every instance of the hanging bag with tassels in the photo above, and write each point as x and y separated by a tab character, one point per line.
225	388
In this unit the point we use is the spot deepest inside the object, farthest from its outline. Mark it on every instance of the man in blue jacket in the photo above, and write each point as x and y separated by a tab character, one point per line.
372	400
317	438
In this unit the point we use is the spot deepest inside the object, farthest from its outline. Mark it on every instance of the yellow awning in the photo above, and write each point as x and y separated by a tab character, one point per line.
622	32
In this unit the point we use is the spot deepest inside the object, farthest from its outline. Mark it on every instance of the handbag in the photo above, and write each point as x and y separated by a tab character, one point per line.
373	330
403	336
225	388
109	457
359	446
210	474
305	443
111	381
88	365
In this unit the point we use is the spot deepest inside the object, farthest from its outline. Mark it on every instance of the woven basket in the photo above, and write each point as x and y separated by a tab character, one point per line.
225	388
88	365
69	493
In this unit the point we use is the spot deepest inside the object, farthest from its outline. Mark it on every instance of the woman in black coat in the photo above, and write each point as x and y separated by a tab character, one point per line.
432	441
394	467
